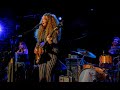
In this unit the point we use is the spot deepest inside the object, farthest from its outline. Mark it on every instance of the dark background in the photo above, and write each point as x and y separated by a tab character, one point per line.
88	24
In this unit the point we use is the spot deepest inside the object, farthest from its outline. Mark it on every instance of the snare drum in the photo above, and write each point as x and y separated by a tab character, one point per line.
85	66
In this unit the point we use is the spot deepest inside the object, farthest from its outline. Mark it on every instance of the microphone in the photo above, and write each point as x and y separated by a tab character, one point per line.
40	24
37	25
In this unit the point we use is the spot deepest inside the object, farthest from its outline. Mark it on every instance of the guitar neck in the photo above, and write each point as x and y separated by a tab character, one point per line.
53	31
57	27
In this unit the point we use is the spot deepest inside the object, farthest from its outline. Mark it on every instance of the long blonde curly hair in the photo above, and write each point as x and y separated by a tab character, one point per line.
52	23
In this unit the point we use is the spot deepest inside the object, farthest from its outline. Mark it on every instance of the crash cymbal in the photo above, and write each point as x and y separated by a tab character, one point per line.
89	54
85	53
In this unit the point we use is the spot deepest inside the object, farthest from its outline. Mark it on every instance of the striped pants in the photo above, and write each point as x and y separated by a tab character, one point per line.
45	69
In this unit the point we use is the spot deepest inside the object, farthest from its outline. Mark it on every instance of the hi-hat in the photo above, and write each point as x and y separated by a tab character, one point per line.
85	53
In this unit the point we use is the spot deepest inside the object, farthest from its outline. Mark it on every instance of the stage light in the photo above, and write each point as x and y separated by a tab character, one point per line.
1	31
91	9
59	18
0	28
7	27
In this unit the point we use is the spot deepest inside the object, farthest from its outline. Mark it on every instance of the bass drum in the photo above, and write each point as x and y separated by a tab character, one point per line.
95	74
101	75
88	75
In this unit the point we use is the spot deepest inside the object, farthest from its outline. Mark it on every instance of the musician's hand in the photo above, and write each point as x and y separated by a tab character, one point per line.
42	44
49	39
19	52
37	61
35	50
38	51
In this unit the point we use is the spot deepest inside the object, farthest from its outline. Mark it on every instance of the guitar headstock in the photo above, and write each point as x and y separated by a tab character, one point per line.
57	27
60	24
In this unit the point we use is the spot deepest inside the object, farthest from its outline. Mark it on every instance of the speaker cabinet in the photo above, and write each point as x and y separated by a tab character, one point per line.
73	68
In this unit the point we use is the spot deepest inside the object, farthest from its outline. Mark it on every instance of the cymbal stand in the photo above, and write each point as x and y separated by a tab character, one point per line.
82	61
118	68
114	64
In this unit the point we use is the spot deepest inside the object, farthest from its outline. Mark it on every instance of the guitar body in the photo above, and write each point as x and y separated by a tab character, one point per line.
38	52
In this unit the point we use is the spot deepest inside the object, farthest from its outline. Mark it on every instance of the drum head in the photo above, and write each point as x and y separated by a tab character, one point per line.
87	66
88	75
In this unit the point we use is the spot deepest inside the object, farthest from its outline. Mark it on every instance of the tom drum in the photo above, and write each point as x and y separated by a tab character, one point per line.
105	61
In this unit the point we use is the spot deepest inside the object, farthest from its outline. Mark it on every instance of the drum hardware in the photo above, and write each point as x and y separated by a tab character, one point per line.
118	61
65	67
73	68
82	61
84	53
72	56
113	75
118	66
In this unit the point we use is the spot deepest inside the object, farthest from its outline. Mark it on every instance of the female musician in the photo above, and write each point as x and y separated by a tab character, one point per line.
46	49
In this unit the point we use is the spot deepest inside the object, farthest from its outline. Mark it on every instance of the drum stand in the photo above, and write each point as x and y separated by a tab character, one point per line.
73	69
118	57
116	74
118	67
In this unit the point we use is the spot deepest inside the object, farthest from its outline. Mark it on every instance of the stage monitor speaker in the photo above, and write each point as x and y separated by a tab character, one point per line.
63	78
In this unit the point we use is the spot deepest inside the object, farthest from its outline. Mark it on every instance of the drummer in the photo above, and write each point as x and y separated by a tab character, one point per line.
115	47
114	51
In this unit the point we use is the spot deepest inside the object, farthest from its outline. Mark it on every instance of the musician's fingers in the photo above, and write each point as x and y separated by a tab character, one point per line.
50	38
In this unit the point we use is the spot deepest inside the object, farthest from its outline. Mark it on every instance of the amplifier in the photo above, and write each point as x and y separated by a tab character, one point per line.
73	68
63	78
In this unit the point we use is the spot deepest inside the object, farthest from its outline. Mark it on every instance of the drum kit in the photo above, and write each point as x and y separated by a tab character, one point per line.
84	53
92	73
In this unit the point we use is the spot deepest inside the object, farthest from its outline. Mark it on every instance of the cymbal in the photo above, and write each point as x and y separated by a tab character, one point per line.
85	53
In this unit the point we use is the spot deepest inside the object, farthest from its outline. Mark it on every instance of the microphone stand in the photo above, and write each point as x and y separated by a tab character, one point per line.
32	29
84	35
11	65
